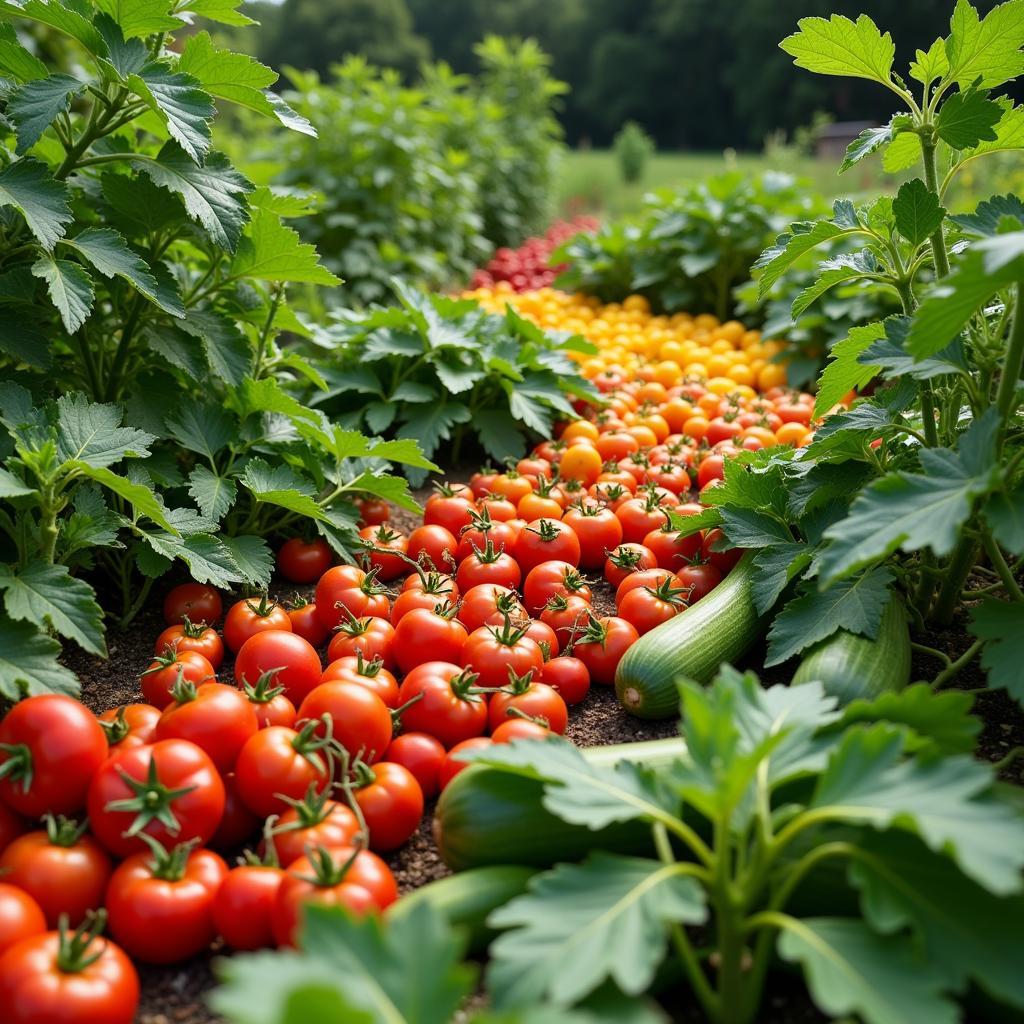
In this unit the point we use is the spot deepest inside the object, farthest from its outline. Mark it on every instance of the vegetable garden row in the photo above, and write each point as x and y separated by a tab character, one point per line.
387	588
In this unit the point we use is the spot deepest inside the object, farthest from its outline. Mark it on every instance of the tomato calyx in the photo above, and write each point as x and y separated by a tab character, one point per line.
297	602
118	728
595	632
151	801
624	558
513	712
613	491
479	519
351	625
193	630
328	872
18	766
74	949
675	596
446	609
518	684
64	832
264	691
264	608
310	810
574	581
370	669
168	865
183	691
547	531
489	555
307	743
509	633
507	604
464	689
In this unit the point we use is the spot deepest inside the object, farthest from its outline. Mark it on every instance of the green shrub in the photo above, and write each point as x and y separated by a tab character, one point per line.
633	147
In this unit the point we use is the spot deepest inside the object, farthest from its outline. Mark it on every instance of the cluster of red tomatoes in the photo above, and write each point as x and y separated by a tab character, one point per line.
527	267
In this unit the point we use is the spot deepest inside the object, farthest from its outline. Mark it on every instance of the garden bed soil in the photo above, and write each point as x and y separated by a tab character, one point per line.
176	994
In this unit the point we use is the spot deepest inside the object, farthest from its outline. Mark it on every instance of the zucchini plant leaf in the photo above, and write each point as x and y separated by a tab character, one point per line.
777	565
208	560
28	663
282	486
917	211
968	118
839	46
844	371
604	918
92	433
1001	625
28	186
985	52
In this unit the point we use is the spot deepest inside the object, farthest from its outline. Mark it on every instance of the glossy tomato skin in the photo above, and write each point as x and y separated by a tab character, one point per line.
371	636
407	600
203	640
20	916
432	546
347	589
639	516
422	755
423	636
247	618
63	879
130	725
486	606
301	561
34	990
547	579
701	578
392	804
445	711
602	658
631	558
382	540
199	601
178	764
646	610
723	561
373	512
546	540
452	765
237	823
492	653
218	719
488	566
361	721
306	623
161	921
275	764
296	660
308	824
645	578
569	676
59	744
273	710
371	674
243	907
599	531
454	514
565	615
538	700
519	729
672	549
157	680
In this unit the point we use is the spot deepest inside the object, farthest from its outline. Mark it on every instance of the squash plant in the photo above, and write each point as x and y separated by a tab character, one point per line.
864	845
919	486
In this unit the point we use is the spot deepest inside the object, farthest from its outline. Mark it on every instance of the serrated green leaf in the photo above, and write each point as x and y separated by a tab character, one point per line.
124	57
28	186
433	424
380	415
844	372
581	924
833	272
989	214
388	487
204	429
968	118
224	11
208	560
926	67
752	528
49	597
1001	625
1004	513
28	663
272	251
253	557
985	52
210	193
851	970
917	211
92	433
110	254
384	342
1009	133
24	341
458	371
213	494
776	567
842	47
179	349
947	802
91	525
140	17
176	98
788	248
63	18
890	355
904	151
404	451
12	487
15	61
267	395
869	141
35	106
69	287
854	604
499	434
280	485
227	349
140	496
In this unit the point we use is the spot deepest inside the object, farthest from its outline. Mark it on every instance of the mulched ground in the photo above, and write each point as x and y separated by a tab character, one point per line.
176	994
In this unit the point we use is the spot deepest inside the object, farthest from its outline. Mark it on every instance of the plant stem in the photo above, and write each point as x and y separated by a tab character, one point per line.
730	933
1013	361
951	670
937	240
268	327
997	560
956	572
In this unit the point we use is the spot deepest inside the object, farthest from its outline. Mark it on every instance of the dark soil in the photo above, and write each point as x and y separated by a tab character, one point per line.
176	994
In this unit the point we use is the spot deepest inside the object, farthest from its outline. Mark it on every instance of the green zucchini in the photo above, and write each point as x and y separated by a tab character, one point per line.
853	666
467	899
487	816
718	628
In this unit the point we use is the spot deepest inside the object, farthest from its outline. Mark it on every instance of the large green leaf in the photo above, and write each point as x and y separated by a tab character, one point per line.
15	60
69	287
917	211
227	349
384	485
211	193
180	103
28	663
272	251
142	497
1001	625
27	185
432	424
64	18
854	604
403	450
839	46
1009	132
204	429
776	567
140	17
927	66
12	487
581	924
280	485
789	247
880	978
214	494
224	11
253	557
947	802
844	372
208	560
968	118
35	106
1004	513
986	52
92	433
49	597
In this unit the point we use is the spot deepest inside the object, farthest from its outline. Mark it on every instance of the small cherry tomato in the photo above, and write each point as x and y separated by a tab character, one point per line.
301	561
130	725
391	802
192	636
569	676
423	635
294	662
371	674
371	636
306	623
422	755
165	670
625	559
601	645
378	542
20	916
360	720
243	907
245	619
310	822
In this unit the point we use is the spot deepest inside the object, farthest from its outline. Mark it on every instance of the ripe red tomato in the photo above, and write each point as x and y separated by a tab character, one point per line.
712	467
311	822
243	907
644	578
546	580
534	700
159	679
371	674
449	709
199	601
439	584
130	725
189	636
11	826
303	561
269	702
648	607
519	729
625	559
601	646
294	662
422	755
563	615
599	531
433	547
360	720
306	623
61	867
245	619
391	802
50	747
160	903
346	591
20	916
700	578
500	508
238	823
373	637
672	548
492	652
639	516
453	513
722	429
419	597
723	561
218	719
543	635
54	976
278	763
373	511
453	764
488	605
569	676
484	529
424	635
546	540
170	790
488	564
377	541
